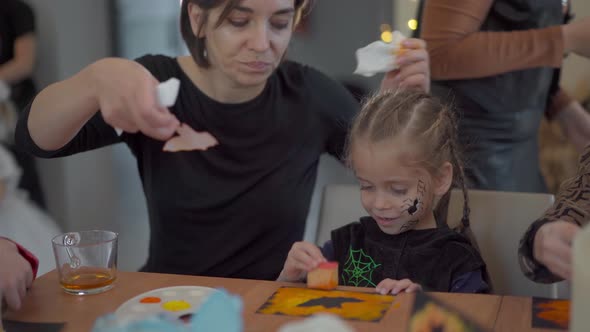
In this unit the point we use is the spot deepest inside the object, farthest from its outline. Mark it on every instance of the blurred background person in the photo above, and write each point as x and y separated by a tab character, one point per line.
498	61
20	219
17	60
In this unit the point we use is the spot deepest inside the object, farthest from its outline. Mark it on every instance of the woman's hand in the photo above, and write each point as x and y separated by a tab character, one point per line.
126	94
302	258
388	286
413	68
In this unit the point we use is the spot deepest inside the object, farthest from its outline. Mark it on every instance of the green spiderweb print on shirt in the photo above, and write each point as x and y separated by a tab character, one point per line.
358	269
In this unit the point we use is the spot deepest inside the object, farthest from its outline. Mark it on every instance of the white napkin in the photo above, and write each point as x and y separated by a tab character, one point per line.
187	139
379	56
166	93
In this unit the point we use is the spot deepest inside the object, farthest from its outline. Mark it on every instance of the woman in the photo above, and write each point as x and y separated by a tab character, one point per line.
496	59
235	209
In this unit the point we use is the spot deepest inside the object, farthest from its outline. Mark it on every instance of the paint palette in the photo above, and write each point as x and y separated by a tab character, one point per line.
180	302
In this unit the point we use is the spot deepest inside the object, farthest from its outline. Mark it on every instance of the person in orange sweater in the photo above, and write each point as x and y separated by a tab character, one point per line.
498	61
17	272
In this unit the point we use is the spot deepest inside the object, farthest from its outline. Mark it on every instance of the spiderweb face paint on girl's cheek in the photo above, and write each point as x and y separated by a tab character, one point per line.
413	206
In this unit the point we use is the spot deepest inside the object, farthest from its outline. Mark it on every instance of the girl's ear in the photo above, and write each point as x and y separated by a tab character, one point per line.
444	179
196	16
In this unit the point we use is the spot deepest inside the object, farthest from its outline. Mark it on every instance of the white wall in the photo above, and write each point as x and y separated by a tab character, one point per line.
576	70
151	28
337	28
403	11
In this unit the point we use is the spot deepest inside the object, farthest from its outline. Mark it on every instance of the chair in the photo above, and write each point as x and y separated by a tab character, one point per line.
499	219
340	205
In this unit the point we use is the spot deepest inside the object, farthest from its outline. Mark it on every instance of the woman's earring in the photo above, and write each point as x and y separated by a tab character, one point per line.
205	53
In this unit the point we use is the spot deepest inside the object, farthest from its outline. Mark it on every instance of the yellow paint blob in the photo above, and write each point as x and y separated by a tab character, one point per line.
176	305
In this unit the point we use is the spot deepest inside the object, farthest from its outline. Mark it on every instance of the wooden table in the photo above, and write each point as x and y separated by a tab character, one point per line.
46	302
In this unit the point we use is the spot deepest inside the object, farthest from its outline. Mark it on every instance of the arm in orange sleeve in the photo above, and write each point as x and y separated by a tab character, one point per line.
459	50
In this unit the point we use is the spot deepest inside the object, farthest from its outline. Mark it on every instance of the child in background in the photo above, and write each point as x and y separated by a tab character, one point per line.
402	148
20	219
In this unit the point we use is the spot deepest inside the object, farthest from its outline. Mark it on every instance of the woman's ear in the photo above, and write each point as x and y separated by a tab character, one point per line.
444	179
197	18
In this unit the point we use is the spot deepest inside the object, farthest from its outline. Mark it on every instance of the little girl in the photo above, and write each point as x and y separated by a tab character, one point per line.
402	148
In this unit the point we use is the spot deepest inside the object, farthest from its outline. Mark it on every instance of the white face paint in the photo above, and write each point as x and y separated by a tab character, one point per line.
397	196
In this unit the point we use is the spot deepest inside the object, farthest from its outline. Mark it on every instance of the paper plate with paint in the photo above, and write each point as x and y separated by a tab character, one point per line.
180	302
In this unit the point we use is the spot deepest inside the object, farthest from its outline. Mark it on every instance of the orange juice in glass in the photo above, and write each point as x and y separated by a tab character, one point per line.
86	261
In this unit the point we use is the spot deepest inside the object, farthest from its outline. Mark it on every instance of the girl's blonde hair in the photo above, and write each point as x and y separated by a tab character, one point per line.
424	121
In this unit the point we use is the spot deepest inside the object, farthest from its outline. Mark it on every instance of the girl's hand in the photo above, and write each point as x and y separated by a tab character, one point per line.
395	286
302	258
126	94
413	68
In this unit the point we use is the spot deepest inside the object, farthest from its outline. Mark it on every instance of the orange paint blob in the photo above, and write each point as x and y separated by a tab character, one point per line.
150	300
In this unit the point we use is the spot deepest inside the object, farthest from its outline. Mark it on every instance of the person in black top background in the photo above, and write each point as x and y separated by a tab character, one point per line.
17	59
235	209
